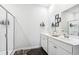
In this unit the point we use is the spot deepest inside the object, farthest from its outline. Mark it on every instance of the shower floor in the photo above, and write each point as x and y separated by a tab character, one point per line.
36	51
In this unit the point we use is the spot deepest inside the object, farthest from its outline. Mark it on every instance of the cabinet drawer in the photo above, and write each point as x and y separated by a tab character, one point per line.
63	45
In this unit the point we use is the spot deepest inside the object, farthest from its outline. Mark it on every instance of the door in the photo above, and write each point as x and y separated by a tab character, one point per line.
10	33
2	32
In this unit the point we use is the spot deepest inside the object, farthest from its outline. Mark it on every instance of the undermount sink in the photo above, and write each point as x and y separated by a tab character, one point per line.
55	35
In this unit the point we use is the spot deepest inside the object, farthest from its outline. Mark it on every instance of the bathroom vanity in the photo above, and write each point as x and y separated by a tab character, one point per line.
59	45
67	42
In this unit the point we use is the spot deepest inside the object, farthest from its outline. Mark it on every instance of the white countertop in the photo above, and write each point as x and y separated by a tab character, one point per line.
72	40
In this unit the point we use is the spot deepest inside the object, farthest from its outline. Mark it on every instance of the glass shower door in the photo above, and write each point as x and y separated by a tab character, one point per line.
10	33
2	32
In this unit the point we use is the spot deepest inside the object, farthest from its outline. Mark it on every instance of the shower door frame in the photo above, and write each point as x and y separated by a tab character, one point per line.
6	35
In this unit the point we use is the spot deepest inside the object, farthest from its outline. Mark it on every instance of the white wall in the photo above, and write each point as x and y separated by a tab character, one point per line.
28	18
52	11
57	9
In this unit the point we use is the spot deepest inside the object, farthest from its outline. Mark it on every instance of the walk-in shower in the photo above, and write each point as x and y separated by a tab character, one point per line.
7	31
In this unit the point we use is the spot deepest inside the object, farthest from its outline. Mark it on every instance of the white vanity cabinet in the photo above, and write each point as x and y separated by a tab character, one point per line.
56	46
56	49
44	39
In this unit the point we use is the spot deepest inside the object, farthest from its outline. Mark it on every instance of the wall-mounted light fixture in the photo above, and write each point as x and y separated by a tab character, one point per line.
52	24
42	24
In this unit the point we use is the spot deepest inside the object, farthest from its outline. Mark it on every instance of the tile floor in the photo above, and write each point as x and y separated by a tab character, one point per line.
36	51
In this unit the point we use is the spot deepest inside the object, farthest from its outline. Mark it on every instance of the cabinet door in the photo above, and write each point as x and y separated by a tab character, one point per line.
61	51
44	42
51	48
42	39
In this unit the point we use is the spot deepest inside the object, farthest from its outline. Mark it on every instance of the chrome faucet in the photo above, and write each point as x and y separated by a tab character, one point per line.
66	35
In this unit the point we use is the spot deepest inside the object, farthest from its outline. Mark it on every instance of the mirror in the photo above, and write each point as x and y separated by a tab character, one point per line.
70	21
74	27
